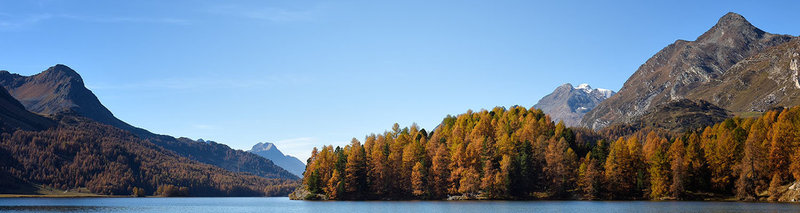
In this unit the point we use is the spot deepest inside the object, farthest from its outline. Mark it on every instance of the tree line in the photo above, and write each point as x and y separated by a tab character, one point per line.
520	153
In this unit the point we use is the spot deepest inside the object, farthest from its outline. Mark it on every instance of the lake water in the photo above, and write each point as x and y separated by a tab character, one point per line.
229	205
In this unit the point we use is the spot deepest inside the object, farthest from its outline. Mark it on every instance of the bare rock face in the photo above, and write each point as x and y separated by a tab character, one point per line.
568	104
759	83
678	70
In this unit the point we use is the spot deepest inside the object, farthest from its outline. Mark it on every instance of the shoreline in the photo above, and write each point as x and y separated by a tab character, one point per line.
726	200
56	196
103	196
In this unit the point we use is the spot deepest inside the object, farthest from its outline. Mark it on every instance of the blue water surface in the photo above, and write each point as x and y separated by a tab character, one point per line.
282	204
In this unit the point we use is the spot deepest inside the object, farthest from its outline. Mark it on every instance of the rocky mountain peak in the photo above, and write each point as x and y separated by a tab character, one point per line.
732	19
264	146
569	104
731	28
61	72
60	89
270	151
565	87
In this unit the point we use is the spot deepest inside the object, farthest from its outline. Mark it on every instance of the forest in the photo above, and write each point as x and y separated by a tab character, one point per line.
520	153
81	153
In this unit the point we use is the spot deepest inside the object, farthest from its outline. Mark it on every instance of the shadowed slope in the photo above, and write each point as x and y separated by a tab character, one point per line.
14	116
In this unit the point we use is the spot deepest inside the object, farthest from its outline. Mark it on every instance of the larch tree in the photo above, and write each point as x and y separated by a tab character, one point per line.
488	183
440	171
419	181
355	180
378	171
560	161
334	188
659	172
590	178
677	154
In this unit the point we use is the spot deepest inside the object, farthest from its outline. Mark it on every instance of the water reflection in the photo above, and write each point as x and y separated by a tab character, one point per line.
229	205
61	209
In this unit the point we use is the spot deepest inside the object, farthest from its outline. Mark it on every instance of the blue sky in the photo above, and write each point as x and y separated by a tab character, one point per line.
308	73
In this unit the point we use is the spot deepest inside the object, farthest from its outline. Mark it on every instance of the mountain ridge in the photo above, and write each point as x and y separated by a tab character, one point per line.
683	66
81	153
58	89
61	89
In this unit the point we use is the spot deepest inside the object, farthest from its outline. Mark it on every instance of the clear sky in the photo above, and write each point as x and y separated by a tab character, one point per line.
308	73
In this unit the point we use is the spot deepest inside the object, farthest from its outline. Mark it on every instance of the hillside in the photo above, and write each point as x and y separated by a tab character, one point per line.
681	116
684	67
60	89
13	115
81	153
568	104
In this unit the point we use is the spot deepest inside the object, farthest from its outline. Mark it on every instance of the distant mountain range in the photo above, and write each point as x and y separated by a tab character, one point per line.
61	89
733	65
569	104
58	97
269	151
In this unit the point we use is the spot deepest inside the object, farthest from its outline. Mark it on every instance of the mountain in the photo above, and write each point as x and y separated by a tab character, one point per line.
683	67
60	89
82	154
269	151
13	115
569	104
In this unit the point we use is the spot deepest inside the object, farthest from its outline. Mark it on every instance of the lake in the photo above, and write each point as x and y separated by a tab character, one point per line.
282	204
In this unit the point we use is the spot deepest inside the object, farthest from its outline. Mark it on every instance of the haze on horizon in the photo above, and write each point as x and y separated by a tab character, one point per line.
305	74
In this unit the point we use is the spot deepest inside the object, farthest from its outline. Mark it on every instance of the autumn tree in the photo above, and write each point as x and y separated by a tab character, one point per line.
590	178
623	169
470	181
677	154
334	188
519	153
659	166
419	181
378	172
560	167
439	172
488	181
355	182
696	164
